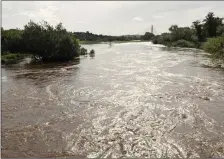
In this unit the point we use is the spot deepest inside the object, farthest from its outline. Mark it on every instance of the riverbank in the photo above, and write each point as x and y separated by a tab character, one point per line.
207	34
12	58
213	46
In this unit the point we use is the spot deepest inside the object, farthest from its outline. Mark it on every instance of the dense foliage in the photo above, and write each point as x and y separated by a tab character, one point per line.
210	30
210	27
92	52
49	43
41	40
11	40
147	36
83	51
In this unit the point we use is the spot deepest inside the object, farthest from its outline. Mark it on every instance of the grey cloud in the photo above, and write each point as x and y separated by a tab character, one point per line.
138	19
112	17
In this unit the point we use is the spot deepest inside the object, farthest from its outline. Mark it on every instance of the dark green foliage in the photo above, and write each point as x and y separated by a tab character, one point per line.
11	40
43	41
199	32
183	43
48	43
211	24
147	36
87	36
164	39
192	37
202	35
83	51
92	52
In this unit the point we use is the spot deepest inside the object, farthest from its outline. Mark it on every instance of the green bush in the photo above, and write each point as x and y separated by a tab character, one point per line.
183	43
147	36
49	43
92	52
215	46
83	51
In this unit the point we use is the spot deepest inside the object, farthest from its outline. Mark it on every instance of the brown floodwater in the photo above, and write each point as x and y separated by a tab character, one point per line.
129	100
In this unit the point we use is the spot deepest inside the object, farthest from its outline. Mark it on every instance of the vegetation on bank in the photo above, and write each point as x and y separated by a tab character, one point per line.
10	58
83	51
89	38
207	34
47	43
215	46
147	36
89	42
40	40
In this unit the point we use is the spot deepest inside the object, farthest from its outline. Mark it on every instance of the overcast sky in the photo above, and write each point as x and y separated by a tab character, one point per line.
112	17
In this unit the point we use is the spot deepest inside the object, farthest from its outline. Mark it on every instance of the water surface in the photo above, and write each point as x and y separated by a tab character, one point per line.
129	100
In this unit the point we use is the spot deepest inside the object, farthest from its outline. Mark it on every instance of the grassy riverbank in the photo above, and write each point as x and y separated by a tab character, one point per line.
11	58
215	46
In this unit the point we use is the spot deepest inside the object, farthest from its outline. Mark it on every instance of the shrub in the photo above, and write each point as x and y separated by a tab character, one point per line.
92	52
83	51
183	43
49	43
147	36
215	46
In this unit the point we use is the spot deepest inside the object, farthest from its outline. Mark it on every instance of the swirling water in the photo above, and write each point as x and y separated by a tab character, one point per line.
129	100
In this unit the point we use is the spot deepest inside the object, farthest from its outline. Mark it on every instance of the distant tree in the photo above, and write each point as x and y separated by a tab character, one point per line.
198	27
92	52
147	36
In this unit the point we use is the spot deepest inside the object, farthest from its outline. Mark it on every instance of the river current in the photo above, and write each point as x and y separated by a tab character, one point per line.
129	100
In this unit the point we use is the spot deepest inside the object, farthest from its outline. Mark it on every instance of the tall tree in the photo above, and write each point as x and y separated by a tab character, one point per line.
211	23
198	30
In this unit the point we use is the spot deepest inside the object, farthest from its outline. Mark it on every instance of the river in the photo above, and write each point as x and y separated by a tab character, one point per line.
129	100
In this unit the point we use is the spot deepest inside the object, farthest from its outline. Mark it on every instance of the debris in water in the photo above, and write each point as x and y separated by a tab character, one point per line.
183	116
205	98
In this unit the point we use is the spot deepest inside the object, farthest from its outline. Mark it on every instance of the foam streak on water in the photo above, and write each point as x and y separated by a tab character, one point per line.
129	100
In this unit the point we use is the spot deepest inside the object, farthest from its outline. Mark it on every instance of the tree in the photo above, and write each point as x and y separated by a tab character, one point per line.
11	40
49	43
147	36
211	24
198	27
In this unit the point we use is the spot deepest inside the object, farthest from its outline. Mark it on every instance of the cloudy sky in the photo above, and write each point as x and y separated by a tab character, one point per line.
112	17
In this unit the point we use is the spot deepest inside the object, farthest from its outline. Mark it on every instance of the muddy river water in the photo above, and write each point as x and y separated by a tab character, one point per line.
129	100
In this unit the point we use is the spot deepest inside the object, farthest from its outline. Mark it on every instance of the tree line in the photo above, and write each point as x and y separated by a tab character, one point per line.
88	36
207	34
52	43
